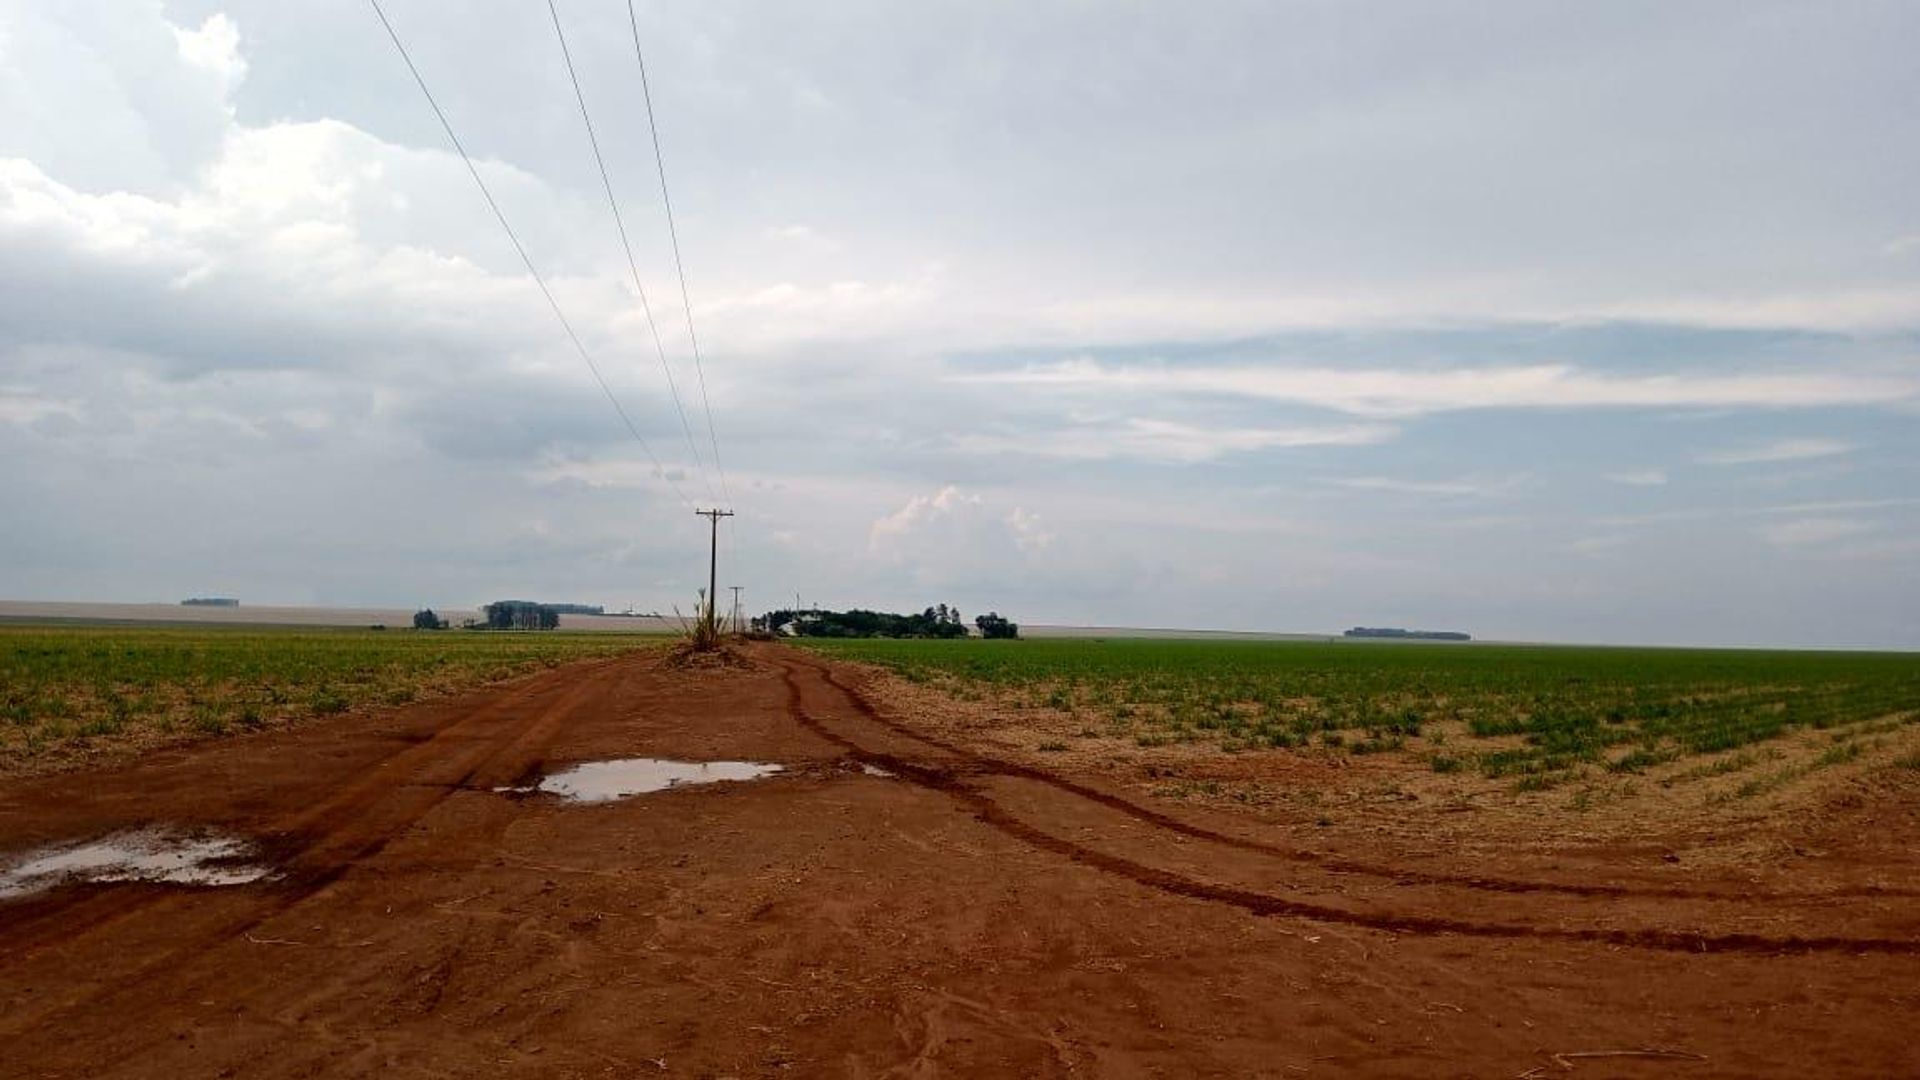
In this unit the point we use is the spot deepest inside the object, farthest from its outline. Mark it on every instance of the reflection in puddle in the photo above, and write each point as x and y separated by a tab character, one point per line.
601	781
875	770
135	856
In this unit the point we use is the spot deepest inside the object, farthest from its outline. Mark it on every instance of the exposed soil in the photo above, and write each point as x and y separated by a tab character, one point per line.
968	913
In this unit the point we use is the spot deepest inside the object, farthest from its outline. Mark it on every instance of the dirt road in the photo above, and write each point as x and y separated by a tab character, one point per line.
890	905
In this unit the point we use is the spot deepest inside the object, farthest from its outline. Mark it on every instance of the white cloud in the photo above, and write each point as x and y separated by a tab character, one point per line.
921	513
24	407
1395	393
1639	477
215	48
1028	532
1146	439
1476	487
954	538
228	275
1813	531
1778	450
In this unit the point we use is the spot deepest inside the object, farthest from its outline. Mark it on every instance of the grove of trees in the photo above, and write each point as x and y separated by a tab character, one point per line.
939	621
520	615
993	625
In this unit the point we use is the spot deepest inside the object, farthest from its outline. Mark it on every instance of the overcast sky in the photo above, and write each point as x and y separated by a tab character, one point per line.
1575	322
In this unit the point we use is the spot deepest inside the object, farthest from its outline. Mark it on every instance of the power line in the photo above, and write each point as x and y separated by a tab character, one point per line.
680	269
527	260
626	246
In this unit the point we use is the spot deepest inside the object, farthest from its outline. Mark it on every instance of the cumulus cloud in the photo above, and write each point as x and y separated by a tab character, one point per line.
215	48
955	538
238	288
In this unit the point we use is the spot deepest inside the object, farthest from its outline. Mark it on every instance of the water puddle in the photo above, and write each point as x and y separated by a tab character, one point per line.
875	770
604	781
156	856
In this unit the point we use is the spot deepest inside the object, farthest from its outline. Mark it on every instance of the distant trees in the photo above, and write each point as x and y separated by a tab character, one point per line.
992	625
939	621
520	615
426	619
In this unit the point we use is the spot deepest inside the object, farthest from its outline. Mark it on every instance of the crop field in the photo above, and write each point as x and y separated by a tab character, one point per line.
70	692
1535	715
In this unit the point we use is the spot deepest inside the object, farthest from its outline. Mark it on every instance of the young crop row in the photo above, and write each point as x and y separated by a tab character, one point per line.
69	687
1528	712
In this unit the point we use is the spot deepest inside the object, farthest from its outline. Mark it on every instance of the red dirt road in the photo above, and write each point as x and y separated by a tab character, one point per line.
961	917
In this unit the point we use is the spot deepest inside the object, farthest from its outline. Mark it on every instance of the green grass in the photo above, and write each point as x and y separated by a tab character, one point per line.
1535	714
68	688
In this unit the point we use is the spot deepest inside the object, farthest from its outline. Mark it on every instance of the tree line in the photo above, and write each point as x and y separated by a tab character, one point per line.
939	621
500	615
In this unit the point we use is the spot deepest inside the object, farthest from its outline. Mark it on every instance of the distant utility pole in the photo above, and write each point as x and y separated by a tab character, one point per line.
736	607
713	556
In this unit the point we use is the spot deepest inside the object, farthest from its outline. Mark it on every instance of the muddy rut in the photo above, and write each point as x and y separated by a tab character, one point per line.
891	904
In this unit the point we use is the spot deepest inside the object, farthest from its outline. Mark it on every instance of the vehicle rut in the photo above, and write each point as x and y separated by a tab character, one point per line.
955	784
317	845
981	763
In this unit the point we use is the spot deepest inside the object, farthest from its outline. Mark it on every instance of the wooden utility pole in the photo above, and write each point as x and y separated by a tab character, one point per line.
713	557
736	607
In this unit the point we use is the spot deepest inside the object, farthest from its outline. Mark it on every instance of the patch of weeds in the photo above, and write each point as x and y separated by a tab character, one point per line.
1445	763
1380	744
208	721
1640	760
1839	755
1540	781
1052	746
100	727
1182	789
326	701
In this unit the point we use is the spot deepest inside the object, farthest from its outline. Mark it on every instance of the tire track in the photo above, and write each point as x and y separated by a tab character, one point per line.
955	785
319	844
1338	864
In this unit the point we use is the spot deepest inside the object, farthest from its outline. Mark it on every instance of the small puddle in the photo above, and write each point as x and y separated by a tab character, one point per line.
875	770
604	781
155	856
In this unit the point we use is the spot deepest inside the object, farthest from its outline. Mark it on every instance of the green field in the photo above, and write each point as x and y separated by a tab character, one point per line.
1536	713
72	690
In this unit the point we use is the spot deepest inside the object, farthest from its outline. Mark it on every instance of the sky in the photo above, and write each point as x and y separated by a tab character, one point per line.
1586	323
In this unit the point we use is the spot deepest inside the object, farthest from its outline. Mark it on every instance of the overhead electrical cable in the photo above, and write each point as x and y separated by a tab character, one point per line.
525	259
679	267
626	246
